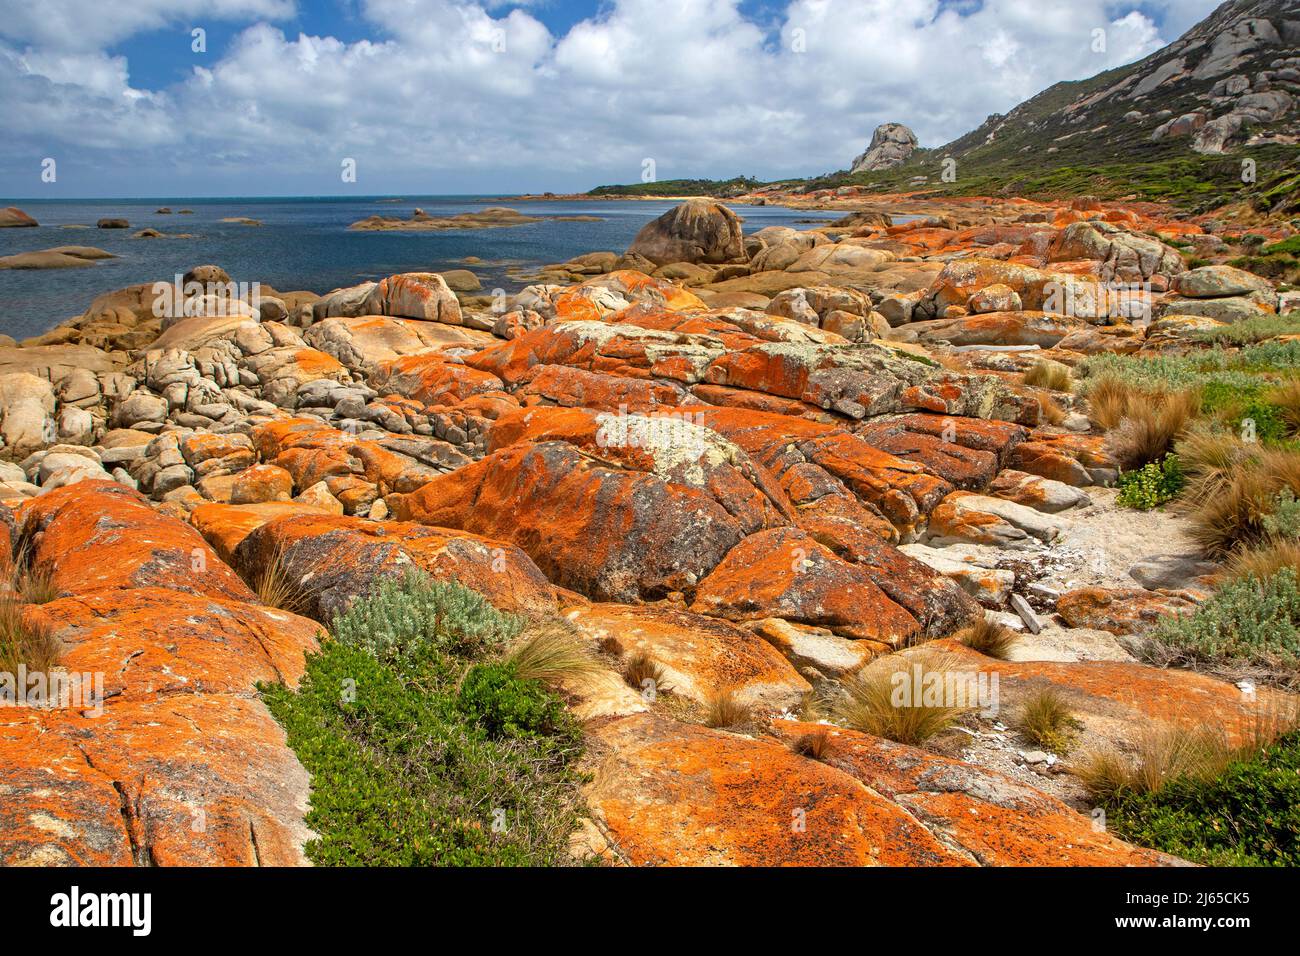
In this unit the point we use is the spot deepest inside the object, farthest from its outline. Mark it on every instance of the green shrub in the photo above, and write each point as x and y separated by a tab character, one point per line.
1249	621
405	771
1284	521
1245	368
402	614
1250	331
506	706
1290	247
1152	485
1249	815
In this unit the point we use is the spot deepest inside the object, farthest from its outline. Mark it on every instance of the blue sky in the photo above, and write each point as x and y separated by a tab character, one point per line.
460	96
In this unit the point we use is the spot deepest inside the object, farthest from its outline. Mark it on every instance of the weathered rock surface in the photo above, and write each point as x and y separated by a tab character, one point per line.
179	763
699	230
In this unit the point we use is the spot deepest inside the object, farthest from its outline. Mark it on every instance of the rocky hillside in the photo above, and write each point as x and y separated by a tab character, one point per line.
1174	125
628	566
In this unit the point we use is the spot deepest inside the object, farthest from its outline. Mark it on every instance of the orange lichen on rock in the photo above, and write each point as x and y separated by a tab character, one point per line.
161	753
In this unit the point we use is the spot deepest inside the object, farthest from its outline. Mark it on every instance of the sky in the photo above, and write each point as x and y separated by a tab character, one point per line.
157	98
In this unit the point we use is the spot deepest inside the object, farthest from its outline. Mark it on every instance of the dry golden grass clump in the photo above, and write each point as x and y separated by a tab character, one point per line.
1177	751
815	745
1050	410
1265	560
24	642
554	655
642	672
988	636
878	702
1150	426
276	587
1209	458
1046	721
1051	375
723	708
1231	510
1286	398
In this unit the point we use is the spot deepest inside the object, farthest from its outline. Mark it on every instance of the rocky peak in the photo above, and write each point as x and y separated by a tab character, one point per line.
891	144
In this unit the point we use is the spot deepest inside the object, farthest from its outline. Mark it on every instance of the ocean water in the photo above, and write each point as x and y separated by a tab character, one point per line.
305	243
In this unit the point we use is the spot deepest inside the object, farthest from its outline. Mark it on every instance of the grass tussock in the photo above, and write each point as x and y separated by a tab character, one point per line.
24	642
276	587
643	673
1050	410
988	636
815	745
1207	803
1050	375
1264	561
1047	721
1210	457
1150	426
723	708
554	655
1163	752
1285	397
1235	507
874	702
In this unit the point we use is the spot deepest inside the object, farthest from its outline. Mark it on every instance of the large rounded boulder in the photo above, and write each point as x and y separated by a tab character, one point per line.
699	230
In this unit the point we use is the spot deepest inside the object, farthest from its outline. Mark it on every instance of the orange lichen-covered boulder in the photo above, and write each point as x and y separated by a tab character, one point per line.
601	347
414	295
857	381
261	483
962	467
899	490
983	816
334	559
102	536
579	388
180	780
699	655
785	573
153	641
312	452
1121	610
618	523
1118	701
432	379
225	526
161	751
671	794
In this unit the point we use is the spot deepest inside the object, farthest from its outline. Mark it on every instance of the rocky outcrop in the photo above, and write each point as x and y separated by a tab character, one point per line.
891	144
174	760
699	230
12	216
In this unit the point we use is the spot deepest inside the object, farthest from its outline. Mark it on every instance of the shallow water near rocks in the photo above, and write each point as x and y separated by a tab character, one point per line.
305	243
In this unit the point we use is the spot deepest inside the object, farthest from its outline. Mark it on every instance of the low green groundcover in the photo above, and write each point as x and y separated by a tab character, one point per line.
1247	816
423	745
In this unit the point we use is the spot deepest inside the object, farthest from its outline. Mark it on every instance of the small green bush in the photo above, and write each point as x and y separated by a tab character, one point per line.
419	755
1249	815
1289	247
508	707
1284	522
403	615
1152	485
1250	331
1249	621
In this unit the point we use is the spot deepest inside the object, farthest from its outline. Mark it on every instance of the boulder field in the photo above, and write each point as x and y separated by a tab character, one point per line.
765	461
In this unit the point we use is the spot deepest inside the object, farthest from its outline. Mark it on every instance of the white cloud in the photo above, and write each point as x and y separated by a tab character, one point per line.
451	91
